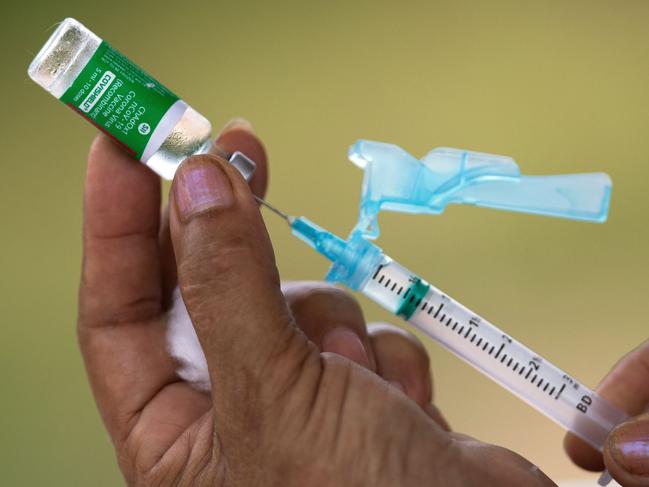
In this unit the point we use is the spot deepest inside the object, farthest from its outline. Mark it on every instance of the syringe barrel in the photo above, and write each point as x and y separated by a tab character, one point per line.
490	350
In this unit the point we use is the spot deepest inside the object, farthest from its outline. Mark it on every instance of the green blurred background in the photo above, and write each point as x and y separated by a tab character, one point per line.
561	86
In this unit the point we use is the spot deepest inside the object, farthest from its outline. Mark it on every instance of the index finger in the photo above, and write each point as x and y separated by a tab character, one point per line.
121	336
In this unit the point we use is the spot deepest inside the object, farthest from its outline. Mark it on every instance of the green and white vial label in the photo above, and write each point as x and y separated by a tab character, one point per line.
123	101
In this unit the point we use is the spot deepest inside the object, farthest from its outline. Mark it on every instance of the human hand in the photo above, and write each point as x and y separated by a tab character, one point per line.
284	409
626	452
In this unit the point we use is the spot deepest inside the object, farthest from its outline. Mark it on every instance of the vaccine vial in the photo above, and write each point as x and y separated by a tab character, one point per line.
122	100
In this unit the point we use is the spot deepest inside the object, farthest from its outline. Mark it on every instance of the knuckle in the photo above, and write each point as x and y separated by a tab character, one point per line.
503	467
189	460
96	310
100	144
639	357
448	456
395	337
220	268
304	297
215	261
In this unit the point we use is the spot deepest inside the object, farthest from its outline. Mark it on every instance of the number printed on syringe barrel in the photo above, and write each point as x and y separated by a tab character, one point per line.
497	355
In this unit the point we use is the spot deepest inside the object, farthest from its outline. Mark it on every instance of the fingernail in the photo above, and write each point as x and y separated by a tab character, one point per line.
345	342
200	187
398	385
239	124
629	445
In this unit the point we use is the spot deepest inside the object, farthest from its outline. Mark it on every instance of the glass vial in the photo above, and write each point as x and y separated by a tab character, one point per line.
119	98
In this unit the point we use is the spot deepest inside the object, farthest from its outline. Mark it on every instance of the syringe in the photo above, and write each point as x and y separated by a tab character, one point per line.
362	266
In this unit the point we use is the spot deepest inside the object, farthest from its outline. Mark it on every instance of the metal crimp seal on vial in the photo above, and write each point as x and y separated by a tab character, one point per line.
243	164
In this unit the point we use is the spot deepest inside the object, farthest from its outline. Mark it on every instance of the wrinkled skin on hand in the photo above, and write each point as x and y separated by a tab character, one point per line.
304	392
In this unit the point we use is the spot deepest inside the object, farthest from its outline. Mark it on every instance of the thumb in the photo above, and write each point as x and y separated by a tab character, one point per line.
627	452
230	285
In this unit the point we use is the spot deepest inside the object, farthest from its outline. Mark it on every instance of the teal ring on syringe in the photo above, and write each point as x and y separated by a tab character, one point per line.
395	180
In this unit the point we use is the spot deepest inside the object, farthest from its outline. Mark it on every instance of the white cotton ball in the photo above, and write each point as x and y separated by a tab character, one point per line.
184	345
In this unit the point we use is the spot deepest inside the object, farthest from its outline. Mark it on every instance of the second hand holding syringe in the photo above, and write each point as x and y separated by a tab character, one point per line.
362	266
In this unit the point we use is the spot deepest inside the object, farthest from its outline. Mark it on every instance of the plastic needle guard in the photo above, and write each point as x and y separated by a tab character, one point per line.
397	181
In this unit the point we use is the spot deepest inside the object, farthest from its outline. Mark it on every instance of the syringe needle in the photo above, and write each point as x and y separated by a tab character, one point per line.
290	219
324	242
